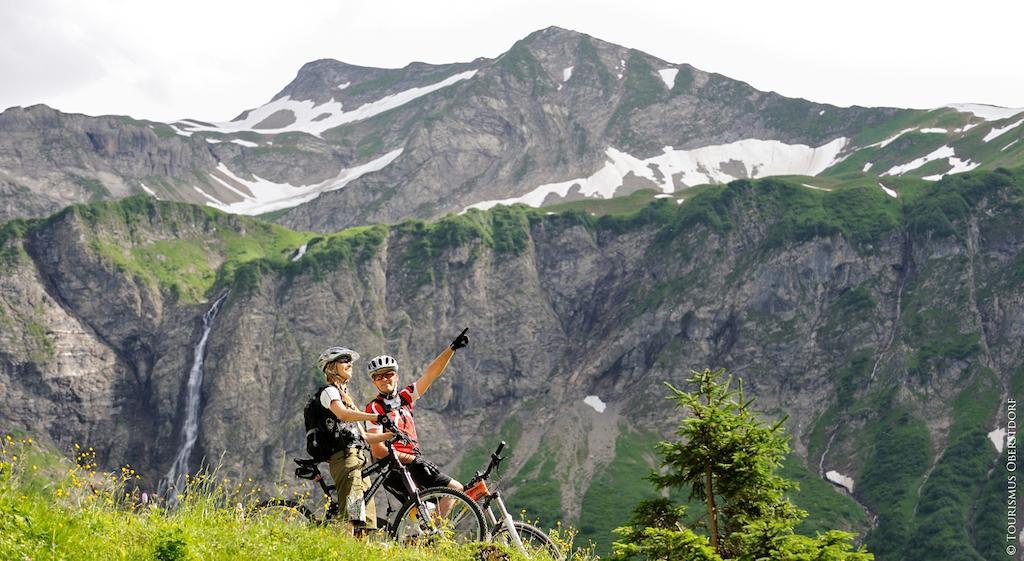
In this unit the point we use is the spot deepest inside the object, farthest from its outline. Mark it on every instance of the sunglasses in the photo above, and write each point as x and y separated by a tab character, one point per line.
383	375
344	360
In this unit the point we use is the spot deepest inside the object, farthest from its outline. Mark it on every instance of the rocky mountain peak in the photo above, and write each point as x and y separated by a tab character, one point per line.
326	80
38	114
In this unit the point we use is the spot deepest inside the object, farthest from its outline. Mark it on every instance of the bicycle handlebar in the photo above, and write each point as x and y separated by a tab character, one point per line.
389	426
495	460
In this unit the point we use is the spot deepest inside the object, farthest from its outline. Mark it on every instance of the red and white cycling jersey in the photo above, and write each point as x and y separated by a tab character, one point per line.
399	408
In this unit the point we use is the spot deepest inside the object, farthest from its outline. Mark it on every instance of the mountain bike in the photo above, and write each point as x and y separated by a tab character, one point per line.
418	520
527	538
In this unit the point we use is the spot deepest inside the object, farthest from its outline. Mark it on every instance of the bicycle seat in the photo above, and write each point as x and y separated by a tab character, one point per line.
307	468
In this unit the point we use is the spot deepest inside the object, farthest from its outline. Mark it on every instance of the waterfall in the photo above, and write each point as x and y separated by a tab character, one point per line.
174	480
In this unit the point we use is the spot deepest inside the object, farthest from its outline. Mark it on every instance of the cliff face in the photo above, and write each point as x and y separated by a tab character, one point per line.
870	321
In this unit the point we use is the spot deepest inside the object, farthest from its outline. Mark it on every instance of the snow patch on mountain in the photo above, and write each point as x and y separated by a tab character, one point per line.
934	130
997	132
245	143
956	166
998	438
943	152
987	112
149	191
681	168
179	131
212	201
668	76
268	196
595	402
345	85
1003	149
888	191
306	116
567	73
890	140
841	480
960	166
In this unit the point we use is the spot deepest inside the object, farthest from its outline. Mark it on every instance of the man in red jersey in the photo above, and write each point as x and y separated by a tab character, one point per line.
398	403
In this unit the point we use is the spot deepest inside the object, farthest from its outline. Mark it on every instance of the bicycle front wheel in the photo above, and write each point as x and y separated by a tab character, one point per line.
535	541
285	511
441	513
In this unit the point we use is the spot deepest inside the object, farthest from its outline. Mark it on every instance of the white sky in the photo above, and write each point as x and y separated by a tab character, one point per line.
211	59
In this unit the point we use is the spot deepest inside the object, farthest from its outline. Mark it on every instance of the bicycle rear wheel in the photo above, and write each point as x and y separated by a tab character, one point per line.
535	541
284	510
462	521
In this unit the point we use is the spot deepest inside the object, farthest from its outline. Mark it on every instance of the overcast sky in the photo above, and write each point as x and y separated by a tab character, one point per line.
211	59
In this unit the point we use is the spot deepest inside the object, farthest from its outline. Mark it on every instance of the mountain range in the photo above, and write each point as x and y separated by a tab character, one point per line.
559	116
858	268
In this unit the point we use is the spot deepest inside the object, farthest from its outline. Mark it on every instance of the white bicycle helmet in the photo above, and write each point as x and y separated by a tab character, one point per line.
332	354
380	363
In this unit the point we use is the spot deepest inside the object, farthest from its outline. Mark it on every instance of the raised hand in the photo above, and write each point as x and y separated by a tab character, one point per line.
461	341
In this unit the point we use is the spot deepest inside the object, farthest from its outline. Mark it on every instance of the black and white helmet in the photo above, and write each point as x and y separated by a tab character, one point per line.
332	354
380	363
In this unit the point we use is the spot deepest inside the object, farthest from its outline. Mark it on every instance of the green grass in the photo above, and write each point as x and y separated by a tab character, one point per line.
827	507
181	248
988	523
975	405
54	509
905	120
794	213
617	488
536	490
601	207
273	215
475	459
947	498
504	229
907	147
888	485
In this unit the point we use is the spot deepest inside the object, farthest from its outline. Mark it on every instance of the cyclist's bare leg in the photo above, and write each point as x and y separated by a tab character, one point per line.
445	505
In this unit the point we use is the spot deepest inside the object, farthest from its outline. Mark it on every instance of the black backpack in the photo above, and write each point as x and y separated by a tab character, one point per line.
323	430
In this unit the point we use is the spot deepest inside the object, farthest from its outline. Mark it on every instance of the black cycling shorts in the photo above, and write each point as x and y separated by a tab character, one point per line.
424	474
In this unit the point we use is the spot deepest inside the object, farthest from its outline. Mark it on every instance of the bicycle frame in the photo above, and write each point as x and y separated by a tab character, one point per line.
478	491
380	470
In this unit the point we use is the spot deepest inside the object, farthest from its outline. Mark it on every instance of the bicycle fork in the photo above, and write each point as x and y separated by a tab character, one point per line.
506	517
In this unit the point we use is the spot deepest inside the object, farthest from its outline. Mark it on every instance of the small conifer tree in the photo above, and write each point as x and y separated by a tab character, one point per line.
727	458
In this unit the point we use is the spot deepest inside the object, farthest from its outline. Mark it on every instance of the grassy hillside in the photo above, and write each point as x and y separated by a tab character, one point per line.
55	509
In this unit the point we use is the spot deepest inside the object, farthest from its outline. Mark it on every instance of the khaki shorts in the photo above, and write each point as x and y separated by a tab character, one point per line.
347	471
